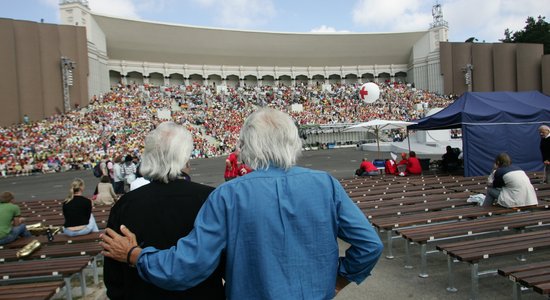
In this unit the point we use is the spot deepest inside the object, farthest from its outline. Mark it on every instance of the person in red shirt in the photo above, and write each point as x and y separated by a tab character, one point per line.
244	169
232	165
390	167
402	165
413	164
368	168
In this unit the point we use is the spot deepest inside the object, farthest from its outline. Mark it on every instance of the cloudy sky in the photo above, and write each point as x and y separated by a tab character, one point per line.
484	19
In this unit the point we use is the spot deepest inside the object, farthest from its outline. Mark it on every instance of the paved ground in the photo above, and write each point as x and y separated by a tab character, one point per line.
389	279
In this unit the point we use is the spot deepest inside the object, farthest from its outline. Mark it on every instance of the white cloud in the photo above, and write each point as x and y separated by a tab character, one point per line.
391	15
240	13
487	20
119	8
327	29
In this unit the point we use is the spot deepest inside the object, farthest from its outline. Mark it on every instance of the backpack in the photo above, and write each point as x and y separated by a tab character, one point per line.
97	170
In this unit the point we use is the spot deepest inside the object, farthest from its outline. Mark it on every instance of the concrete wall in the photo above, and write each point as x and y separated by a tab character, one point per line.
504	62
31	81
482	74
460	58
496	67
529	61
545	74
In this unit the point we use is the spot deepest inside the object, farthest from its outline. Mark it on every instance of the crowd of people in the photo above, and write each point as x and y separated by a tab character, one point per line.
116	123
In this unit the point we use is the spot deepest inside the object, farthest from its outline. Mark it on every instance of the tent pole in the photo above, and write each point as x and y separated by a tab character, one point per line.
409	140
378	142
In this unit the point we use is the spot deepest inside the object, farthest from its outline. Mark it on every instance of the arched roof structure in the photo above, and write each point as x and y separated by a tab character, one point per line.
182	44
119	46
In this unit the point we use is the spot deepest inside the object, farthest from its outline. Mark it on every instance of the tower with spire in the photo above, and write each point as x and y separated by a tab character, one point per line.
439	28
78	13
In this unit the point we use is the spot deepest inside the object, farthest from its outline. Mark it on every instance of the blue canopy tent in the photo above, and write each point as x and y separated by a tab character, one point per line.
492	123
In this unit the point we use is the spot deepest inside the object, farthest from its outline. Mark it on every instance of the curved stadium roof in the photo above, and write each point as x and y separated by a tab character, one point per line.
137	40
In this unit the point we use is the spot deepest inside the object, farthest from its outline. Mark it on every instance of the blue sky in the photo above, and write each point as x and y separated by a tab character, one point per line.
485	20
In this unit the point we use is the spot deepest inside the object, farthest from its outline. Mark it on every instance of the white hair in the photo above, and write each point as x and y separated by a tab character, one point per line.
544	127
167	152
269	137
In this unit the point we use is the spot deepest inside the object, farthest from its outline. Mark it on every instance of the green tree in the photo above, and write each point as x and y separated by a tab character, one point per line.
534	32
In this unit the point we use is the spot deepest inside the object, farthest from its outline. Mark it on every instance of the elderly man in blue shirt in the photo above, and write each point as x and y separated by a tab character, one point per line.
278	227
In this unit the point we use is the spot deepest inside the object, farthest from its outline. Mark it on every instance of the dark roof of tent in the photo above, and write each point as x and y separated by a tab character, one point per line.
490	108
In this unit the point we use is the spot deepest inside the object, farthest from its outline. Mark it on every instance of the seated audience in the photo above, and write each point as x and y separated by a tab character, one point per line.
413	164
402	165
367	168
390	167
214	119
105	192
11	222
510	186
449	160
77	211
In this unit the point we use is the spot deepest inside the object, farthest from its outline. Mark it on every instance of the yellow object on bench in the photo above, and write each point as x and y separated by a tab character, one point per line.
28	249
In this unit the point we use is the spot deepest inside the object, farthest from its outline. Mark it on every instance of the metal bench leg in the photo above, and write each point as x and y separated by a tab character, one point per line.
521	257
516	293
68	288
407	256
82	279
451	285
390	244
475	281
423	258
94	269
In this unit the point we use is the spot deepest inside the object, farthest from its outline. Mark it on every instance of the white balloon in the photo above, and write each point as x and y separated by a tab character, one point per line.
369	92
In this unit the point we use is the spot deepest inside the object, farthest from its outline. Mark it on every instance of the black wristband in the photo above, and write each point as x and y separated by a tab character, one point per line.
130	254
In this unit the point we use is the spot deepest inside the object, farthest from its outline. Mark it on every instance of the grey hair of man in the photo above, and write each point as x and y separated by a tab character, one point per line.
167	152
269	137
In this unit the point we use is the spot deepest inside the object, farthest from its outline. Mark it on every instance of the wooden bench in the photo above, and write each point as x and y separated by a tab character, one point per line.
389	224
365	196
59	250
423	234
543	195
474	251
58	219
30	291
412	200
55	250
58	239
415	208
46	269
535	276
395	188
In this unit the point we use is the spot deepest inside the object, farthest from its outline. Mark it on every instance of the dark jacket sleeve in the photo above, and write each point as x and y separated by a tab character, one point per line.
499	178
113	273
